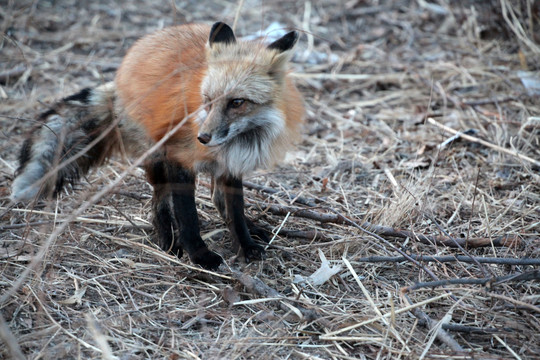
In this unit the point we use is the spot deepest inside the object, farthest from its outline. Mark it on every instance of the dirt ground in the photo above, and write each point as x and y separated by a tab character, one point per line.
385	84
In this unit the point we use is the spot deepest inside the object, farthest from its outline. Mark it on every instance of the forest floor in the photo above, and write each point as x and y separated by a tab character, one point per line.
375	187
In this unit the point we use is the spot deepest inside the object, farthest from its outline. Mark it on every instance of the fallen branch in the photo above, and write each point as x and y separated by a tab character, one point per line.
257	286
452	258
483	142
431	324
13	73
10	341
485	101
469	329
489	281
510	241
306	234
292	197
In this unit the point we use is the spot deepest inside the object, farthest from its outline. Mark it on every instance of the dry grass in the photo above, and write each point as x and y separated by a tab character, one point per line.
81	278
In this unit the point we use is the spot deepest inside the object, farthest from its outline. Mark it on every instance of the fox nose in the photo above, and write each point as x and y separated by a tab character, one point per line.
204	138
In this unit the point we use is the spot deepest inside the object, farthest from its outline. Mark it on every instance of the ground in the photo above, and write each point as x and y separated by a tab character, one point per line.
385	83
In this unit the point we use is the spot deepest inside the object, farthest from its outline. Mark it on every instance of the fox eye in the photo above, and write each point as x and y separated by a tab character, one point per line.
236	103
207	102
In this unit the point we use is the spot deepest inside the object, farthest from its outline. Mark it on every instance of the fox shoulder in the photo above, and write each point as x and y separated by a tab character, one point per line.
158	82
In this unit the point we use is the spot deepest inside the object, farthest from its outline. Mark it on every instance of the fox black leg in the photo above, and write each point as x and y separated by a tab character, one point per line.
175	213
228	196
219	201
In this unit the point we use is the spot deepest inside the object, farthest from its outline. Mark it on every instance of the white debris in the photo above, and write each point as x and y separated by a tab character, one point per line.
531	81
323	273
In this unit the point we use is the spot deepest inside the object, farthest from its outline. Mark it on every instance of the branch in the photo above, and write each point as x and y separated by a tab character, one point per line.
510	241
257	286
12	73
485	143
292	197
488	281
452	258
10	340
431	324
470	329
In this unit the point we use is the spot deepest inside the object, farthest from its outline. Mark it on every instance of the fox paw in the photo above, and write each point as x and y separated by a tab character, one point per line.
257	231
254	252
207	259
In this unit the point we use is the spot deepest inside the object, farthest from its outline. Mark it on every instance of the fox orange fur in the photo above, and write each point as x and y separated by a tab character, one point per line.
226	107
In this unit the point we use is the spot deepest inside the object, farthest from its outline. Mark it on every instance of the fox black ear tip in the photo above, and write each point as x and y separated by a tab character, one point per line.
293	35
217	25
286	42
221	32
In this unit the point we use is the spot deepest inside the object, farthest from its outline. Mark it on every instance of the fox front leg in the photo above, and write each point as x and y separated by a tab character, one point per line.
228	196
175	212
218	199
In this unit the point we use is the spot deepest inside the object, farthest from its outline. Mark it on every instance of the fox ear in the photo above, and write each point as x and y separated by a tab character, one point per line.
221	33
286	42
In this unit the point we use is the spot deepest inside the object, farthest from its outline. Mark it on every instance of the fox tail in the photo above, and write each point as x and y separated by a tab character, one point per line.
76	134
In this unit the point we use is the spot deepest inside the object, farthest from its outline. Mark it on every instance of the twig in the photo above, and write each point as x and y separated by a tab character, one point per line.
452	258
486	101
12	73
306	234
10	341
295	198
469	329
485	143
509	241
257	286
517	303
28	224
489	281
355	77
431	324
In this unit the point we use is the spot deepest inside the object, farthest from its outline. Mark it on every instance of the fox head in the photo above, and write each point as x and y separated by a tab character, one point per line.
241	90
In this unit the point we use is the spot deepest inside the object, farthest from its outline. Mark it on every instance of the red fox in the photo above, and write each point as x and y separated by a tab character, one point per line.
232	102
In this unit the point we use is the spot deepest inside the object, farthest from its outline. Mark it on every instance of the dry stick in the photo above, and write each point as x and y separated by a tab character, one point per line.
85	205
452	258
431	324
10	341
389	231
517	303
306	234
490	281
295	197
257	286
483	142
12	73
468	329
28	224
486	101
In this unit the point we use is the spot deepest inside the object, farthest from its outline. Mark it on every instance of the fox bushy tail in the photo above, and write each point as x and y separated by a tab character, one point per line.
76	134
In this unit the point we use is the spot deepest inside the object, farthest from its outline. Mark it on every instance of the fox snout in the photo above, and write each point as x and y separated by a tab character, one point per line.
204	138
213	137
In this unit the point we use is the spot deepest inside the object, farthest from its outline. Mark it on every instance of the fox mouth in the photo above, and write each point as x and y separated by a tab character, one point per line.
215	144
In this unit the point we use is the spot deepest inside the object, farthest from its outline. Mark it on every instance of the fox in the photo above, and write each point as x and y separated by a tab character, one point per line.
219	106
